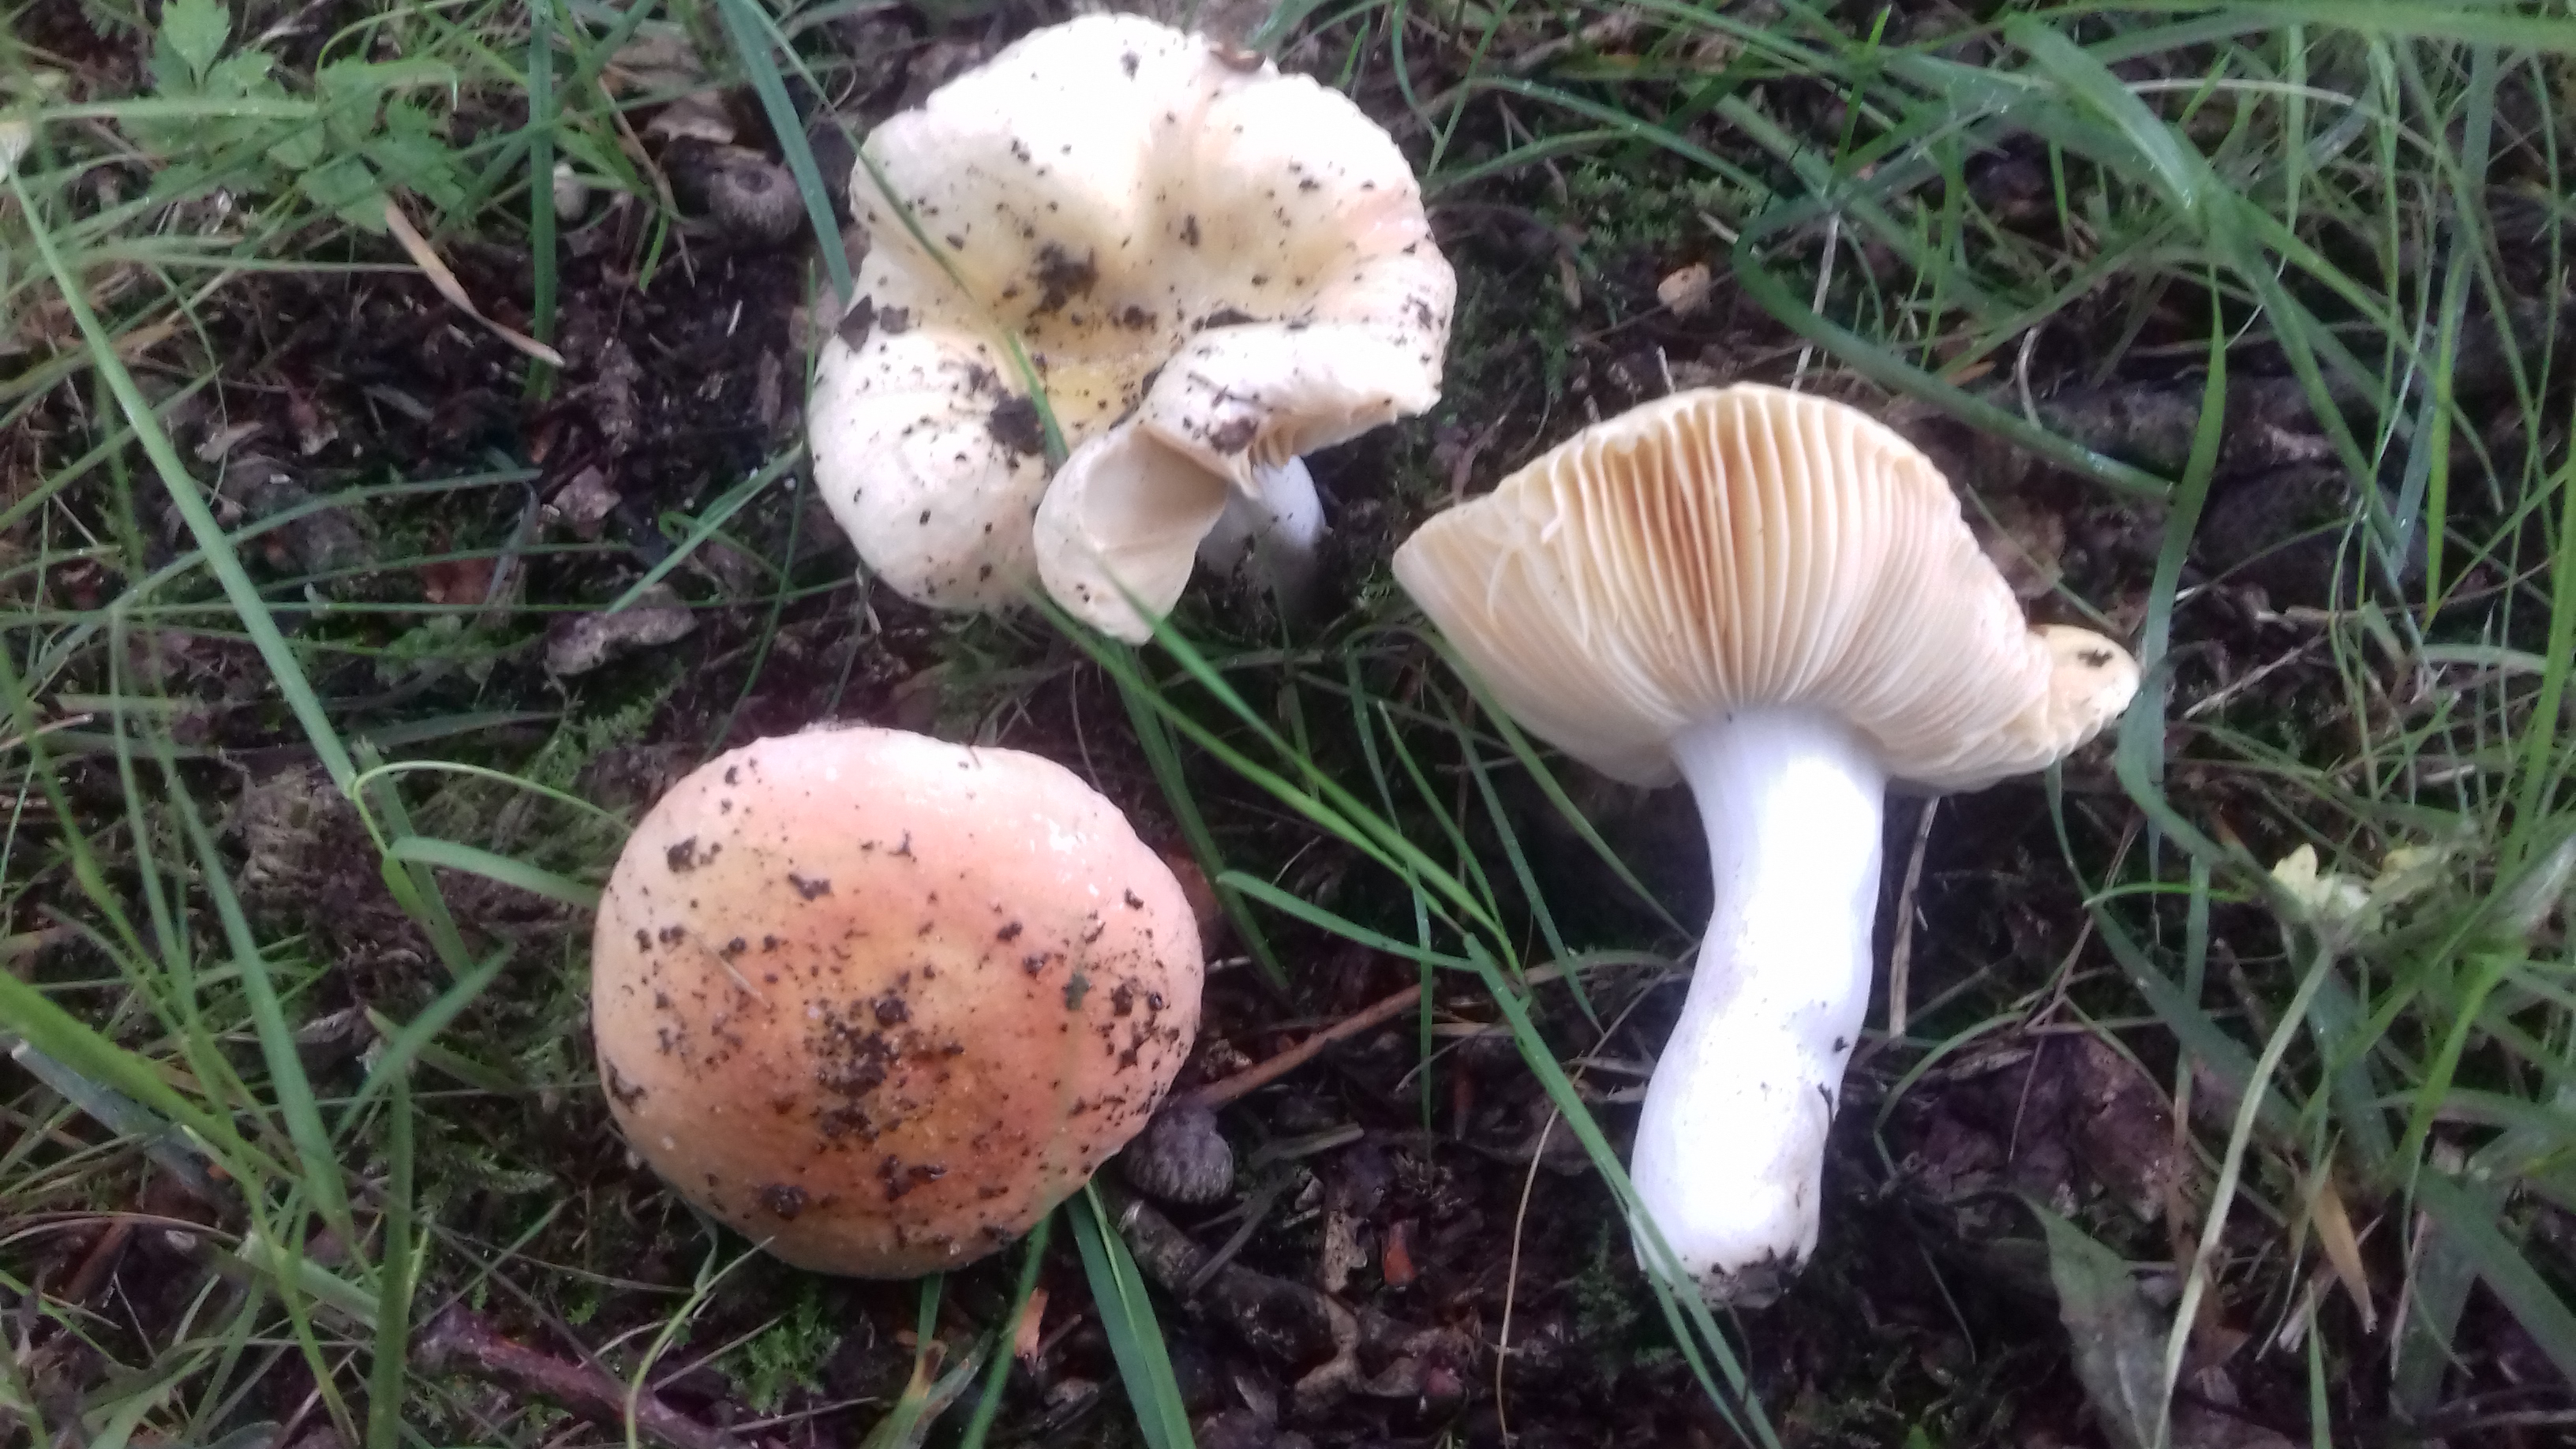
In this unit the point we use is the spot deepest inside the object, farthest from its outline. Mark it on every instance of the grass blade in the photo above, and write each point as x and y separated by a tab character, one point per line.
2470	1226
1127	1316
988	1402
456	855
320	1178
394	1268
286	671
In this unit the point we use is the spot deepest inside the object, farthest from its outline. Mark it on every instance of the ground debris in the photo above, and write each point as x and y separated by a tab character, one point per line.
1685	290
2045	1115
1181	1157
2124	1128
745	192
281	821
316	539
1298	1327
580	643
584	503
463	1341
2118	1337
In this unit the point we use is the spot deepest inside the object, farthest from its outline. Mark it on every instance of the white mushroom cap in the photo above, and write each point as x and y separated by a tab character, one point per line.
1213	268
1723	549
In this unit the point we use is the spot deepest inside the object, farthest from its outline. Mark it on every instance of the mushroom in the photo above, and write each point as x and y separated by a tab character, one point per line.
1211	267
1273	532
1774	598
880	1002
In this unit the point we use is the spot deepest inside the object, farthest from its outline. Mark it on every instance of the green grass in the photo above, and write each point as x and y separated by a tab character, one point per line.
2356	197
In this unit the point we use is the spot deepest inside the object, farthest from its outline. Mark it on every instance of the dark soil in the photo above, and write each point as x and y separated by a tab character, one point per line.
1486	1281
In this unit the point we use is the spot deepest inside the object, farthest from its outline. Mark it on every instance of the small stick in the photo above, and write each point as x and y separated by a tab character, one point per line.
463	1341
99	1261
1262	1074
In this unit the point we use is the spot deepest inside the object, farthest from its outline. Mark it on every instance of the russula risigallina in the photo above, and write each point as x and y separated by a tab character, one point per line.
881	1002
1772	597
1212	268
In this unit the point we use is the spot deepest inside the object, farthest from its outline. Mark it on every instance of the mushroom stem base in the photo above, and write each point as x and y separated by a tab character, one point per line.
1730	1148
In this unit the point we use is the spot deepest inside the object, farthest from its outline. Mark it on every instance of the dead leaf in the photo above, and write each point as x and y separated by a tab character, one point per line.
2117	1336
1397	1260
583	505
1205	908
580	643
1356	1184
313	432
2123	1128
915	700
2198	1428
2342	1245
768	391
697	116
1686	290
457	580
1026	1338
222	441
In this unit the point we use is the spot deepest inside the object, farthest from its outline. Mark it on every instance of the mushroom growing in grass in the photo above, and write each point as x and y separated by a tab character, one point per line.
882	1002
1774	598
1211	268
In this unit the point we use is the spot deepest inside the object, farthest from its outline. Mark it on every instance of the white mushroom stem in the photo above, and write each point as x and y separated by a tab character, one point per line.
1128	514
1731	1145
1279	525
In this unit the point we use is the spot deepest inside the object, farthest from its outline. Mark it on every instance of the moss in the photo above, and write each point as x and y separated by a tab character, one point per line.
789	1354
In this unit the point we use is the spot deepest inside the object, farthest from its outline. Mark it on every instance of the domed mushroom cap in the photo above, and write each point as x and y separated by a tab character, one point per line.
1214	267
881	1002
1740	547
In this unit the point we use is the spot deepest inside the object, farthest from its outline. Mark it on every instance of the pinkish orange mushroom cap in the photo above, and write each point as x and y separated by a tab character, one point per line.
881	1002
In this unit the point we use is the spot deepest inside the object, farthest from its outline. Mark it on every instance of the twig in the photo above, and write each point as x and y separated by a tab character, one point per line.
463	1341
71	721
99	1261
1512	1282
1254	1078
1254	1213
1900	955
1824	287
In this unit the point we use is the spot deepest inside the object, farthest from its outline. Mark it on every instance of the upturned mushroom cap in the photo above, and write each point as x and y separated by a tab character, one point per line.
1730	548
881	1002
1213	267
